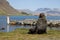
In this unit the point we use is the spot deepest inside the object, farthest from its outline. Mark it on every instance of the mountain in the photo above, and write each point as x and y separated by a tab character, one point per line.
6	8
48	11
26	11
43	9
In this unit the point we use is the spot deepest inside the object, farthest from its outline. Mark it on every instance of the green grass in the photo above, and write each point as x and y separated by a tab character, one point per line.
21	34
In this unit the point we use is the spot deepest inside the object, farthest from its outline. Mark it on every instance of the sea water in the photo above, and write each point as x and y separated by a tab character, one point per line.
9	28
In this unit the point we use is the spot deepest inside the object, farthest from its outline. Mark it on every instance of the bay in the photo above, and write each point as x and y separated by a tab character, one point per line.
3	22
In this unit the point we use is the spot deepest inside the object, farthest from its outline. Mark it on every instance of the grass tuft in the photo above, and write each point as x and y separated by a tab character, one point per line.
21	34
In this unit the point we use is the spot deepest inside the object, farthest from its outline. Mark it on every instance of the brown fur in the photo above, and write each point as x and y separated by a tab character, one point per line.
41	25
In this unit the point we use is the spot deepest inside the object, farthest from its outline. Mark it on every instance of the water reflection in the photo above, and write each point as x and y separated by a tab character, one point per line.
11	28
8	28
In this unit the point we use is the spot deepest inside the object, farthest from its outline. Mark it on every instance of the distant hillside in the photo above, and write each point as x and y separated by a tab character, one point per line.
48	11
6	8
26	11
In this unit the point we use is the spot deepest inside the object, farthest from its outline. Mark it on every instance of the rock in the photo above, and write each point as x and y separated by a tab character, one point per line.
3	28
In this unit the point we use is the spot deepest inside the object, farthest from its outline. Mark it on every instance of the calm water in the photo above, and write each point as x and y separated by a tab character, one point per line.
9	28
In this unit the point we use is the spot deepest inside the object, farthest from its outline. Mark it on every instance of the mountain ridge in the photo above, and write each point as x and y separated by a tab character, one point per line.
7	9
47	11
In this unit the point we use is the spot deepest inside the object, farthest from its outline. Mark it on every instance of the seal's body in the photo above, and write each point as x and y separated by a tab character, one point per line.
41	25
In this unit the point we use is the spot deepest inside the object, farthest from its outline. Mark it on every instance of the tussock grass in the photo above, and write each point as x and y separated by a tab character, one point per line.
21	34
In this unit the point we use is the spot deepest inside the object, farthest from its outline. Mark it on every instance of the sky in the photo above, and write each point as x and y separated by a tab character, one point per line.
34	4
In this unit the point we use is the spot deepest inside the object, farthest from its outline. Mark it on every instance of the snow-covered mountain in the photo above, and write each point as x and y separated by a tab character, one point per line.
48	11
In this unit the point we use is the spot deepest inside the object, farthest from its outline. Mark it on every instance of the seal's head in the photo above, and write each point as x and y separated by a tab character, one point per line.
41	15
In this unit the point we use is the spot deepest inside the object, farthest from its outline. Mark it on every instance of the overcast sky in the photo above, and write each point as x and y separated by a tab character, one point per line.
34	4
